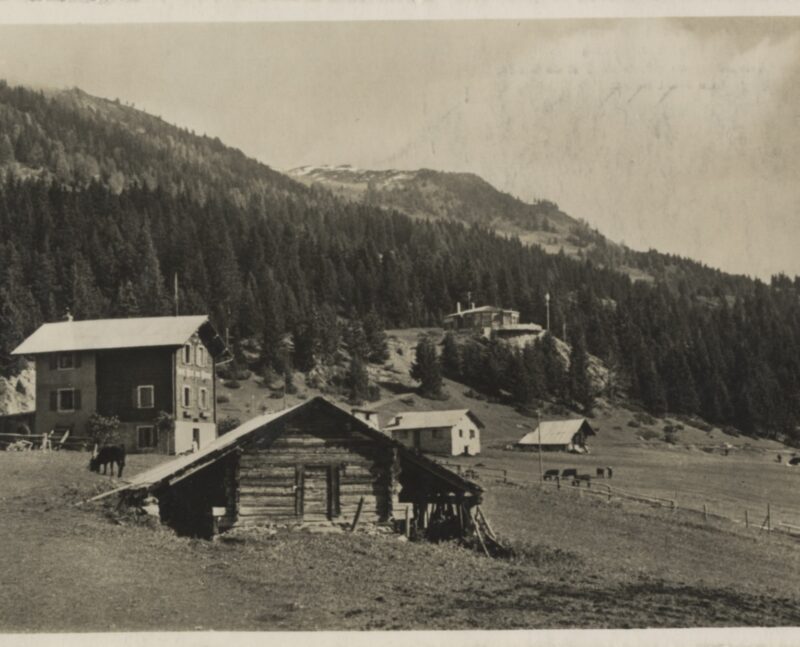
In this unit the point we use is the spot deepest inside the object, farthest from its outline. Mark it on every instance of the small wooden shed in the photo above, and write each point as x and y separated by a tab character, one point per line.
312	462
558	435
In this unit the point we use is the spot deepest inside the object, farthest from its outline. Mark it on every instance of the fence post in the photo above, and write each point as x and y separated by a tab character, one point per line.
705	512
505	476
769	518
746	519
609	493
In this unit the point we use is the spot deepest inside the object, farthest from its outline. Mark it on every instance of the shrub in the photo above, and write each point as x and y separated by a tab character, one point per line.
102	429
648	434
227	424
231	384
233	372
644	418
730	431
373	393
222	398
20	388
634	423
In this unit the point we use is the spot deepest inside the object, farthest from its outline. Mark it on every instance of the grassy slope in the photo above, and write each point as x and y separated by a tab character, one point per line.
73	568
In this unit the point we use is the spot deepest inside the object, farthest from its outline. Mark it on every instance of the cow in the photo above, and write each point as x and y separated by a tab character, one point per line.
582	477
569	472
108	455
550	474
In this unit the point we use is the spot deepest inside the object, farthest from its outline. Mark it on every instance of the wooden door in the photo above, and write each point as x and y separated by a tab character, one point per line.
316	493
417	443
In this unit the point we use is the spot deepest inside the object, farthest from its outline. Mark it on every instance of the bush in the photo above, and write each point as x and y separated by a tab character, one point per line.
648	434
373	393
233	372
634	423
231	384
644	418
222	398
102	429
731	431
20	388
227	424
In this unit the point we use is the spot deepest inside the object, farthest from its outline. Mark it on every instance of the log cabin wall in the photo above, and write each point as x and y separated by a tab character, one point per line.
313	469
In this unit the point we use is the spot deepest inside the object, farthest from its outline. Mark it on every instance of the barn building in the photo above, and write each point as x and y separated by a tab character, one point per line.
559	435
133	369
454	432
313	462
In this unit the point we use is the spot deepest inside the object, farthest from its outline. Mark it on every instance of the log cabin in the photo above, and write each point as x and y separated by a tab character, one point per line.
133	369
314	462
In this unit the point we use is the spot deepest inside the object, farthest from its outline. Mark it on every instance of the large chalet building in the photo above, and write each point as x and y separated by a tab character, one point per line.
133	369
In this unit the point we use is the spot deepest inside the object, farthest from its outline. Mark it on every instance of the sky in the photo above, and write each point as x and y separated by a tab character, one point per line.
678	135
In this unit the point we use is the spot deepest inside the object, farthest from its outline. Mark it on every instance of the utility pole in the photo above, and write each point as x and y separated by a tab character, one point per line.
176	294
541	467
547	303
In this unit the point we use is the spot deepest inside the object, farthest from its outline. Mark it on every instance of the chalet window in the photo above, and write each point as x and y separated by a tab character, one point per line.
203	398
66	361
201	356
146	437
145	397
187	396
460	433
187	354
67	400
472	433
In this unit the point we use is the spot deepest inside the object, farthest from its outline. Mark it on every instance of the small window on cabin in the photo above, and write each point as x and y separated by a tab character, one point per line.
187	396
146	437
187	354
203	398
472	433
145	396
460	433
201	356
66	399
66	361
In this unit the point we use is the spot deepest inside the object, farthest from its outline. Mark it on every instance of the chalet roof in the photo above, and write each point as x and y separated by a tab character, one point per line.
103	334
431	419
182	465
556	432
479	309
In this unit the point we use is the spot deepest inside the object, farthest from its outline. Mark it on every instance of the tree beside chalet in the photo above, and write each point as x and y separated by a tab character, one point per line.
134	369
453	432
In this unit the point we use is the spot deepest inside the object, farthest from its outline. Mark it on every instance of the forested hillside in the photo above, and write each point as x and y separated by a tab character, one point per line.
101	206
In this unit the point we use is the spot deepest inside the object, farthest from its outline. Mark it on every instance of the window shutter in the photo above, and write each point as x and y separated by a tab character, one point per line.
76	398
53	400
77	360
53	361
135	398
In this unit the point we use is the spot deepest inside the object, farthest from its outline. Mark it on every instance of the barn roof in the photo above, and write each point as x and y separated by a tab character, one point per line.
479	309
105	334
182	465
431	419
556	432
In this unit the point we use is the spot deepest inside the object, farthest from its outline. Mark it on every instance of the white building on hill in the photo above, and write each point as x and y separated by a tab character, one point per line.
454	432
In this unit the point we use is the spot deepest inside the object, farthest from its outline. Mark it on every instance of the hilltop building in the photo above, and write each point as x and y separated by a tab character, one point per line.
480	318
454	432
559	435
133	369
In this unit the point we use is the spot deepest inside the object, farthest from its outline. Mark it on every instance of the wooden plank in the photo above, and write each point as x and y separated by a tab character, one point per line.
357	515
245	511
266	490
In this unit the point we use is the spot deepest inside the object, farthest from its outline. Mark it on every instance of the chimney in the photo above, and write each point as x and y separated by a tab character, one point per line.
68	315
472	306
458	306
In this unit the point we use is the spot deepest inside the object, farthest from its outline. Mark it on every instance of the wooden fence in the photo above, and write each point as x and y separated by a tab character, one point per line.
763	519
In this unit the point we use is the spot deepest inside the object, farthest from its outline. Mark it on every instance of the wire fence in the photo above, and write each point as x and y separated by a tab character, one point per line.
767	517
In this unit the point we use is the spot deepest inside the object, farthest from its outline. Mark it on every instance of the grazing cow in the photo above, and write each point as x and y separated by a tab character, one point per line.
610	472
108	455
582	477
570	472
550	474
601	472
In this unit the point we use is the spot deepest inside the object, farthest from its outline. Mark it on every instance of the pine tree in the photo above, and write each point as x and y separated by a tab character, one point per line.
126	304
580	385
376	338
427	370
357	380
451	357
